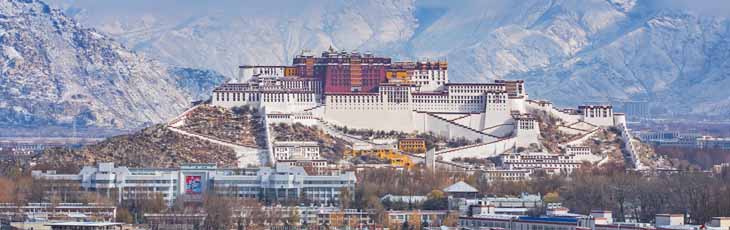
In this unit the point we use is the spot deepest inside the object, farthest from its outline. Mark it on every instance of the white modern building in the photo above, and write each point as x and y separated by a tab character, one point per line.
563	163
708	142
192	181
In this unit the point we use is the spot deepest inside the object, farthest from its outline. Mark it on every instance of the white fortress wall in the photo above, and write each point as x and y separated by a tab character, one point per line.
436	125
482	150
368	111
571	131
455	117
599	115
371	119
599	121
517	104
471	120
629	144
528	131
581	139
496	110
547	107
504	130
476	121
441	126
269	138
619	119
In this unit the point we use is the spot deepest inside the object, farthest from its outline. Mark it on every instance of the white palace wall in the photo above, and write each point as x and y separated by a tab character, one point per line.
273	102
385	120
438	125
552	111
482	150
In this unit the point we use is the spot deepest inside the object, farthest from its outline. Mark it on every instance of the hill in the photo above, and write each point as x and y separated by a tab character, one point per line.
209	134
155	146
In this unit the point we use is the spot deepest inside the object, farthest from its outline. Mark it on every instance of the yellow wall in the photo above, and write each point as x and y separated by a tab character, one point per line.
396	159
401	75
412	145
290	71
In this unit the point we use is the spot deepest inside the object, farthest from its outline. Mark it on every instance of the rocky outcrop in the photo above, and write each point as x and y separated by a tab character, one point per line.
155	146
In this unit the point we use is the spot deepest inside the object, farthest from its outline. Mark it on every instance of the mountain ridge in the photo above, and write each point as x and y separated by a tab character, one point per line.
483	40
56	72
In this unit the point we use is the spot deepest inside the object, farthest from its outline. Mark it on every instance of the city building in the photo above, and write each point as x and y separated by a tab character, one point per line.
719	223
581	153
421	217
404	199
707	142
502	174
562	163
461	190
296	150
497	205
191	181
346	217
412	145
174	221
58	212
559	218
670	138
85	226
637	110
511	222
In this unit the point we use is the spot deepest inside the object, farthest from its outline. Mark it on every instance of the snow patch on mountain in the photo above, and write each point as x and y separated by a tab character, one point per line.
56	72
671	53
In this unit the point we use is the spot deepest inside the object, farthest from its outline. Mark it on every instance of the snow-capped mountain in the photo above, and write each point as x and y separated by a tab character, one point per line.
672	53
55	72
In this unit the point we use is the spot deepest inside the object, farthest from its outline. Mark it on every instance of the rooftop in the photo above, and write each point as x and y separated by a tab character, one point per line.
460	187
85	224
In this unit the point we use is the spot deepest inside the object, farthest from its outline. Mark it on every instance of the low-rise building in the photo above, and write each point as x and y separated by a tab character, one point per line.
346	217
404	199
564	163
719	223
670	138
461	190
499	205
419	217
500	174
283	182
296	150
561	219
59	212
708	142
174	221
412	145
85	226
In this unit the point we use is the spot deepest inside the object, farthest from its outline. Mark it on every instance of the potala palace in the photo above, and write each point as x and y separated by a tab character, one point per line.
364	91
